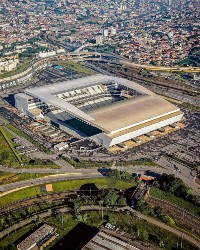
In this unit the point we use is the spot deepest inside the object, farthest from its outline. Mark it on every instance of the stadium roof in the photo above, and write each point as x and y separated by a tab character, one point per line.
115	117
61	87
134	111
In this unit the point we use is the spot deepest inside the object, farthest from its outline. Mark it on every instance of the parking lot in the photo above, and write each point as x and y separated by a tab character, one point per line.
181	145
53	135
53	74
16	119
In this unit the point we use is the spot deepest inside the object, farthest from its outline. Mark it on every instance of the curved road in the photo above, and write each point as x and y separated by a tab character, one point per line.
69	174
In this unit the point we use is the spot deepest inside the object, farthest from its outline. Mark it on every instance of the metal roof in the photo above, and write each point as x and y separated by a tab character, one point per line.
111	118
35	237
104	241
74	84
134	112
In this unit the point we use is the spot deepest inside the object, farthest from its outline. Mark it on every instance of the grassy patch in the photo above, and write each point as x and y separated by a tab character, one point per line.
100	183
158	193
9	138
89	164
20	195
73	66
65	185
51	166
18	70
86	164
7	155
145	162
6	178
11	155
190	106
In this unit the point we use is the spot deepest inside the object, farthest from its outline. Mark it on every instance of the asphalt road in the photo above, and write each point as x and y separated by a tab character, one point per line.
61	175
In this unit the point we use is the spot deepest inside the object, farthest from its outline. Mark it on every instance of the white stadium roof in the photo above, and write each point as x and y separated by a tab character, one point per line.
61	87
115	117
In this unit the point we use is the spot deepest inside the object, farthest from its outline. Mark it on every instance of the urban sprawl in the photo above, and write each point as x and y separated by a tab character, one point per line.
146	32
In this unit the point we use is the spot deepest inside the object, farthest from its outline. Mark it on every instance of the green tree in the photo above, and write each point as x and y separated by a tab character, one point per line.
110	197
159	212
114	173
167	219
121	201
144	207
144	235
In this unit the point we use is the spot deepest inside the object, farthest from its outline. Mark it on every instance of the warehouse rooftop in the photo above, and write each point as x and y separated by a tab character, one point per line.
35	238
103	240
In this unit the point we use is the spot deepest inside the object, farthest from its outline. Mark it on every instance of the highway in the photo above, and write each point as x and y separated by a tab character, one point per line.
61	175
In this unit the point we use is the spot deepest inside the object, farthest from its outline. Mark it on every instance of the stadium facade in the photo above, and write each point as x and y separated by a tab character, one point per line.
108	109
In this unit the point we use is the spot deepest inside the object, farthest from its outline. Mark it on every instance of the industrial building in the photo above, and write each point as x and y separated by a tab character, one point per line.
103	240
38	239
107	109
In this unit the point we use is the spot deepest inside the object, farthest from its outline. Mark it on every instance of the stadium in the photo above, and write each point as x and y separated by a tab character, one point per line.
107	109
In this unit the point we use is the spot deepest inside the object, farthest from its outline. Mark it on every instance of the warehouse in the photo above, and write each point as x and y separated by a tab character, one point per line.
103	240
38	239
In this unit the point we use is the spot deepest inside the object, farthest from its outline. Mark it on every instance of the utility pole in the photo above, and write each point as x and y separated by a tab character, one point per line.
181	241
62	219
102	209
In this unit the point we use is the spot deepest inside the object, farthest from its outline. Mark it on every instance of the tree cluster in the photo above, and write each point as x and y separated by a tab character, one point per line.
111	197
175	186
89	195
146	208
118	174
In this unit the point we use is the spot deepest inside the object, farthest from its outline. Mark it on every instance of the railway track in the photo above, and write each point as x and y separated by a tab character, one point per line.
182	216
39	200
35	201
127	73
188	95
